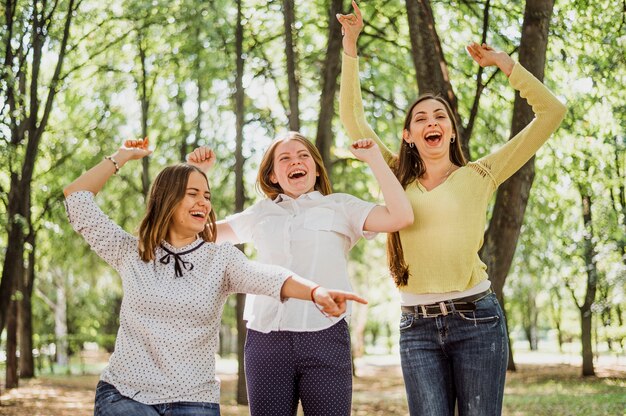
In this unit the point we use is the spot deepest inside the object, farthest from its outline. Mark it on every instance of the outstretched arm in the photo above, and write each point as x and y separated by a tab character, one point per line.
397	212
94	179
332	302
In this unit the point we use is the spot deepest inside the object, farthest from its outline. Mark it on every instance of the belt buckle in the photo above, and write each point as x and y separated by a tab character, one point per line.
442	307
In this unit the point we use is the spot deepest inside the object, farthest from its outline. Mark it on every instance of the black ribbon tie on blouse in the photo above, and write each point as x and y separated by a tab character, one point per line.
179	263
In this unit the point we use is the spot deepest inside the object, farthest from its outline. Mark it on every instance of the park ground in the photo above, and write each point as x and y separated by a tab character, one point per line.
545	384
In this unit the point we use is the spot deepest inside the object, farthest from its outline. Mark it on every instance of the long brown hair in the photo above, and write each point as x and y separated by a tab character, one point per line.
408	167
272	190
166	192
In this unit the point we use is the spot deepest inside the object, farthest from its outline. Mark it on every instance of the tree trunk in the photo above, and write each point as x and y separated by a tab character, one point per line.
242	393
508	213
60	326
11	378
292	74
26	133
330	72
25	318
431	68
144	99
592	282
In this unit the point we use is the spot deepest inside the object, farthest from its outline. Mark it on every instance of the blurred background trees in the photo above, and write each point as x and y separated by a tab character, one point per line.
79	76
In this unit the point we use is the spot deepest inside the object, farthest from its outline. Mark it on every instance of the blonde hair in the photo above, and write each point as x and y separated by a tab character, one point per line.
166	192
408	167
266	168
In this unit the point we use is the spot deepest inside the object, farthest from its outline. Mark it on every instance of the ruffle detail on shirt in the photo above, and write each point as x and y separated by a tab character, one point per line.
483	170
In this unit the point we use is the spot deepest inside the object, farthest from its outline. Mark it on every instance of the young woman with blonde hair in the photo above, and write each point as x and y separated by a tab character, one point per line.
293	352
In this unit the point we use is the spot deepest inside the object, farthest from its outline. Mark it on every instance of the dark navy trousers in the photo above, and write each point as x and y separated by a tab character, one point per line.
283	367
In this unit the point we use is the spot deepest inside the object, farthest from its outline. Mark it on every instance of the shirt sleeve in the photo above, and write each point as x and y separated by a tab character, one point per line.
549	112
355	212
243	222
246	276
351	110
106	238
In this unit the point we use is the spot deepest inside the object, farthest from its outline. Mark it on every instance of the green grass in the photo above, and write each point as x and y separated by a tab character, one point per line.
564	395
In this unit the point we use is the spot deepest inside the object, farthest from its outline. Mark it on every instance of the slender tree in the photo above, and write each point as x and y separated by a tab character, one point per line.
292	74
512	196
330	72
26	112
240	199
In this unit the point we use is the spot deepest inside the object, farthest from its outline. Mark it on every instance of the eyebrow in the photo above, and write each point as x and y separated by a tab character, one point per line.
298	152
434	111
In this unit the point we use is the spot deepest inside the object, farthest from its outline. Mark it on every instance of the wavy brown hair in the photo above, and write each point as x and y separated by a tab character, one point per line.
408	167
167	190
272	190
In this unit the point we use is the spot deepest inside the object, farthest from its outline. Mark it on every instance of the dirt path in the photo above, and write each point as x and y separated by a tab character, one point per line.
378	390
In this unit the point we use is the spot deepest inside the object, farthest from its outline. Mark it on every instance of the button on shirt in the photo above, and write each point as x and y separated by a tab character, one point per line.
310	235
168	335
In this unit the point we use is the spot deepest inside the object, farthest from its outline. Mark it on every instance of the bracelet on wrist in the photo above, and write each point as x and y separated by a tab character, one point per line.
115	164
313	293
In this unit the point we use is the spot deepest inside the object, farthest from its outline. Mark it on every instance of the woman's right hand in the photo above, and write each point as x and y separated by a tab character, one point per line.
365	150
202	157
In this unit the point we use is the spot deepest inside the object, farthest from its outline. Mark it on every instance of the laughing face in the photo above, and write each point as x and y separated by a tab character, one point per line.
192	212
430	129
294	168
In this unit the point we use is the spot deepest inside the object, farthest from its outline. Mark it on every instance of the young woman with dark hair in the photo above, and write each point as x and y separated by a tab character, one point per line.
453	341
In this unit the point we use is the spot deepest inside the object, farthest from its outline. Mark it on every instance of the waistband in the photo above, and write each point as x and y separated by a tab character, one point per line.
443	308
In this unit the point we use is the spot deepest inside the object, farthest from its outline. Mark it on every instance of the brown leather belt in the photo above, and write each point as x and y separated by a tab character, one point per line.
443	308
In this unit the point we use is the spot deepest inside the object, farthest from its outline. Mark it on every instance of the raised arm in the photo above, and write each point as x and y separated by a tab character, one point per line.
549	113
351	110
203	157
397	212
94	179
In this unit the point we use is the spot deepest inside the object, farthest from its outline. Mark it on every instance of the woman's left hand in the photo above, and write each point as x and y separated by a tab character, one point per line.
485	56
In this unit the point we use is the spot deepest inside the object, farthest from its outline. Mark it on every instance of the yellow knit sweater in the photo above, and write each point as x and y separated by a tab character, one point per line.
441	247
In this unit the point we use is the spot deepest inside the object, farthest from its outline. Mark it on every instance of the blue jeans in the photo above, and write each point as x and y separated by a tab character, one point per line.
109	402
460	357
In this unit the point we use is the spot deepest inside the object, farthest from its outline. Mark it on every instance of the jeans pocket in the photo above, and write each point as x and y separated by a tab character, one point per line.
473	317
406	321
487	311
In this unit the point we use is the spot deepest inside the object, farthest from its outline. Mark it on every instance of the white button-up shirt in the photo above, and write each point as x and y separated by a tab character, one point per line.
311	236
169	325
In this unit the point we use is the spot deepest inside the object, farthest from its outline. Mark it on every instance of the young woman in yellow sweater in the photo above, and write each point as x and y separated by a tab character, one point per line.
453	342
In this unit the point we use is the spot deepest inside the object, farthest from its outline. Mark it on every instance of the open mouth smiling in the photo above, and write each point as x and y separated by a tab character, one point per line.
433	137
296	174
198	214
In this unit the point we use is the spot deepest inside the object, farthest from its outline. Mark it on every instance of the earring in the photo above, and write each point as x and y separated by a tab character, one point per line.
453	139
411	145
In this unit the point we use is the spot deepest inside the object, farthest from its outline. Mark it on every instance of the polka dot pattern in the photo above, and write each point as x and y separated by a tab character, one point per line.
168	335
282	366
